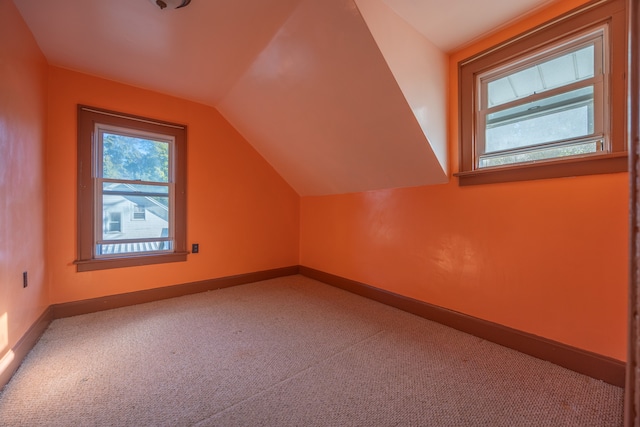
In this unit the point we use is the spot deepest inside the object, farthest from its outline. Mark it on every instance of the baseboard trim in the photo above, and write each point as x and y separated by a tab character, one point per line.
23	347
594	365
58	311
74	308
109	302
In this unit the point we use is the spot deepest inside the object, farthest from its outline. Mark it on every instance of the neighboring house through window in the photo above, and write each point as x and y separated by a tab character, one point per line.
114	222
548	103
131	193
139	212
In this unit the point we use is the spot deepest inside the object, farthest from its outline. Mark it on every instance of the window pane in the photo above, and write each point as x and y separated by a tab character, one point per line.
541	154
126	157
564	116
118	217
568	68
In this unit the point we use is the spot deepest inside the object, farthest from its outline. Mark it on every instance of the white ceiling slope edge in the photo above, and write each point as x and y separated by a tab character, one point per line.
451	24
419	67
328	114
337	101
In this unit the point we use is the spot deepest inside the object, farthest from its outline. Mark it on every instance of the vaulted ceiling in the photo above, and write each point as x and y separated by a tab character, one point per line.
338	96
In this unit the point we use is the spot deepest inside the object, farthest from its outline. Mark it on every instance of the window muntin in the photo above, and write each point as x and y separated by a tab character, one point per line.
546	106
131	190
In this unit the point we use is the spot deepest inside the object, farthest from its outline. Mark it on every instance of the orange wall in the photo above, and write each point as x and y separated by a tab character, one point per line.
23	71
547	257
240	211
489	251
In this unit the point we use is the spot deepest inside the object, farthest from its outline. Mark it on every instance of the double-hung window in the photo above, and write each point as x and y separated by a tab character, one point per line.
131	204
549	103
549	106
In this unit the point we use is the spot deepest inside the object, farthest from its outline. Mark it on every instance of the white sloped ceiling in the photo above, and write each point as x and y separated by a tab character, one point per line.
338	95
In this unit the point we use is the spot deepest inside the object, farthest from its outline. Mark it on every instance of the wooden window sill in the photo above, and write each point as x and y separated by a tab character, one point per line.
601	164
129	261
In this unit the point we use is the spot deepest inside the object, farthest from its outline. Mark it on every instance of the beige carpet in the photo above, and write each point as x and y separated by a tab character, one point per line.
288	352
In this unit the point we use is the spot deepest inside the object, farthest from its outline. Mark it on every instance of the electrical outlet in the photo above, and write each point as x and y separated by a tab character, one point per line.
25	281
195	248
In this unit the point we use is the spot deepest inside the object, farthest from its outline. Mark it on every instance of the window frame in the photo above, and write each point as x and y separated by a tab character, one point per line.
597	38
571	24
88	118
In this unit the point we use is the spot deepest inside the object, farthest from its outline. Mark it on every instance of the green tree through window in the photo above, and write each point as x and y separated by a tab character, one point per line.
127	157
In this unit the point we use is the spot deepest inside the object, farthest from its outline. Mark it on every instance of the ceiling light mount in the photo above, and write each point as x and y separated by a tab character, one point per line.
170	4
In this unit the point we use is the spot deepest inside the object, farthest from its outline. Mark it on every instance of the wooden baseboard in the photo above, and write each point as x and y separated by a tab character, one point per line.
93	305
10	362
594	365
12	359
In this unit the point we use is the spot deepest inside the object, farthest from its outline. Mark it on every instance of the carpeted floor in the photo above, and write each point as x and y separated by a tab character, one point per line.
288	352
